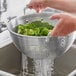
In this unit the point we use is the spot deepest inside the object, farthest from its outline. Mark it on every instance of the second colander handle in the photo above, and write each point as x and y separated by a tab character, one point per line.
32	11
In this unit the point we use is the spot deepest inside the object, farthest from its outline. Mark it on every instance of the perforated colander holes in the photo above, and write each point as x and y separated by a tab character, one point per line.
63	42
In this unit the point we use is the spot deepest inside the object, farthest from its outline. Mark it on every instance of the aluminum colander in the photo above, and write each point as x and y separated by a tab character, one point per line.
36	46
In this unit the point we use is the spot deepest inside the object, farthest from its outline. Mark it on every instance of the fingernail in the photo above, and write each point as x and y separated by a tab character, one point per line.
49	17
37	10
29	6
51	34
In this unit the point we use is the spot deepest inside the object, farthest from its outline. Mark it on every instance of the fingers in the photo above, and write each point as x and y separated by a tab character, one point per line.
29	6
56	16
57	28
57	31
32	7
37	5
38	8
64	25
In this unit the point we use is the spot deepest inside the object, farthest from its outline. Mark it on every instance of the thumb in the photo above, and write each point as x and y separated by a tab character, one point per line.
29	6
55	16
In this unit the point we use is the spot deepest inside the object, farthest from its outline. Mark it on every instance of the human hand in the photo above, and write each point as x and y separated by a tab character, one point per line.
66	24
37	4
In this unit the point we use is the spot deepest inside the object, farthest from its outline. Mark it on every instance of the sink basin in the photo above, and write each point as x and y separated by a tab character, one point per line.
10	61
66	63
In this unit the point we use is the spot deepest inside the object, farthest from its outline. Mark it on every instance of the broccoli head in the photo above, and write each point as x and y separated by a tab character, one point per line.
35	28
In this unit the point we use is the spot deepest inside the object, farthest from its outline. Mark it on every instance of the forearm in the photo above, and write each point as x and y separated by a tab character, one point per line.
65	5
75	23
73	20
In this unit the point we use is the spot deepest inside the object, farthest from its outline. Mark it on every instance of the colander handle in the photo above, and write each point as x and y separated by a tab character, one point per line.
10	18
24	10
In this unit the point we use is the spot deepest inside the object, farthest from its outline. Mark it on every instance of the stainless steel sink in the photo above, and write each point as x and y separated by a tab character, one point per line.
66	63
10	61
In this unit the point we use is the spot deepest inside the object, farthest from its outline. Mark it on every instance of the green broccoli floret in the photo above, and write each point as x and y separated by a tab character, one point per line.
36	24
44	31
31	32
37	32
29	25
25	32
19	29
35	28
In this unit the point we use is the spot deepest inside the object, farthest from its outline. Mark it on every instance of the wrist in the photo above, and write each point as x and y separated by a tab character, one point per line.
74	22
57	4
47	3
51	3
